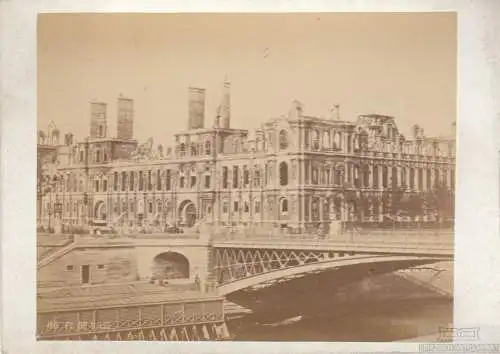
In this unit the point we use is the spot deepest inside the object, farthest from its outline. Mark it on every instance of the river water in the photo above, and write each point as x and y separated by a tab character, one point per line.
382	308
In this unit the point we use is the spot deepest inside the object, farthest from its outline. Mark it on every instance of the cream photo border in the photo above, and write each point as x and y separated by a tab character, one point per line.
477	256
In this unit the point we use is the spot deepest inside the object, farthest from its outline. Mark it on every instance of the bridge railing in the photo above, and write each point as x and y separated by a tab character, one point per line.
435	237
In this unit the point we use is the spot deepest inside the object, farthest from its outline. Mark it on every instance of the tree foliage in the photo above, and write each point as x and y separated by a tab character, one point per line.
440	201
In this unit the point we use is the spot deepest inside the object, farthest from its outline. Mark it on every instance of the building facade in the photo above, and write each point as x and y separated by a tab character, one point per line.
295	171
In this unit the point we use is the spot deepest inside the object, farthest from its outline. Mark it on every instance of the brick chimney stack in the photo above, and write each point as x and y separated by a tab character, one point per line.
125	121
196	102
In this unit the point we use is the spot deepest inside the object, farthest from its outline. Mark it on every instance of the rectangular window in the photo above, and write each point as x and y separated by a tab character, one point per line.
235	176
207	182
168	182
124	181
193	181
225	208
132	181
141	180
246	177
150	182
224	177
181	182
105	185
96	186
150	208
236	206
256	180
115	181
100	266
70	267
158	180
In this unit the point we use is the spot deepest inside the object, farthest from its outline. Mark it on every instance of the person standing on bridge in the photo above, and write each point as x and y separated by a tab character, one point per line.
197	282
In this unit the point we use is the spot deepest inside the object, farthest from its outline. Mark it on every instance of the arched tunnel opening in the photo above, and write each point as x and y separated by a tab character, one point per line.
170	265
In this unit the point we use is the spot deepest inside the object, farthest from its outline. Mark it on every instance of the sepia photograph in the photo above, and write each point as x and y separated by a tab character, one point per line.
246	177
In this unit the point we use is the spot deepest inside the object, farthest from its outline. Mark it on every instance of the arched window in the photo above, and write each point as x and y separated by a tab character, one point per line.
256	176
315	209
224	177
182	149
337	140
124	181
384	177
236	176
357	179
412	178
283	140
376	182
132	181
194	149
437	178
115	181
150	181
394	177
235	145
246	176
284	205
158	180
314	175
338	176
141	180
326	140
207	147
98	156
315	140
283	174
327	176
257	206
366	176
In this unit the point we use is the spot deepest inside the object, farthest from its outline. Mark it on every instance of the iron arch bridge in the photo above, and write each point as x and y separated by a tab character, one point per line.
238	268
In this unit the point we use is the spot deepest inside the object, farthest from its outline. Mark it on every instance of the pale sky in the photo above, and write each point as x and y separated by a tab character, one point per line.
402	65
